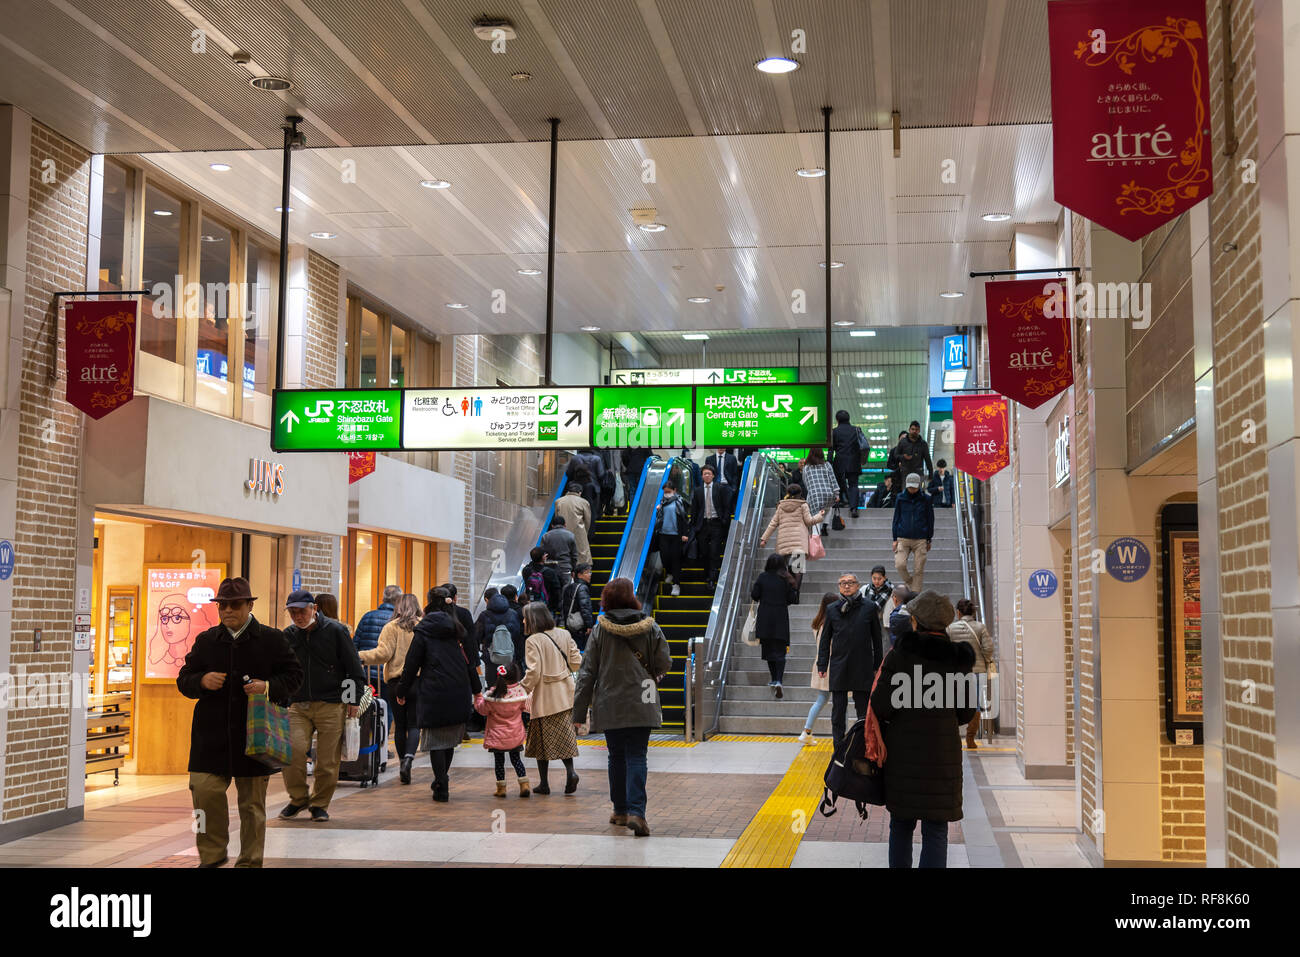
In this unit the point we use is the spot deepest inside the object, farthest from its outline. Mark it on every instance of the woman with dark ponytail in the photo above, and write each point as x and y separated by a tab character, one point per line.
503	706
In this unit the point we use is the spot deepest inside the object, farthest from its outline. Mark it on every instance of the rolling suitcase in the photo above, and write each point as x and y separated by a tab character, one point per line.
374	747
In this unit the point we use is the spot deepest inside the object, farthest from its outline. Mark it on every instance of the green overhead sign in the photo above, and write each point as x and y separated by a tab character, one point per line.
336	420
718	376
625	417
788	456
763	415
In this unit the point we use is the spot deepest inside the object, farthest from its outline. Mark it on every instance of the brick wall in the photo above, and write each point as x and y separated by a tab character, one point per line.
1249	740
36	746
1018	597
1067	607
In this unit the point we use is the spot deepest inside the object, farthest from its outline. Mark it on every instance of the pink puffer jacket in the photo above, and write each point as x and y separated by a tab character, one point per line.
505	723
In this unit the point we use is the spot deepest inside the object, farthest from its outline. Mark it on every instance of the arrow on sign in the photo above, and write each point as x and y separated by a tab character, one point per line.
676	417
809	410
575	416
290	418
620	379
713	376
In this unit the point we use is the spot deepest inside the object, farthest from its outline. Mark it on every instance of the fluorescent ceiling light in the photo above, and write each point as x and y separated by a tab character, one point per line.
324	235
457	305
699	299
810	172
219	167
870	391
951	294
591	328
695	336
995	217
434	183
652	227
529	272
860	333
868	375
835	264
776	64
843	322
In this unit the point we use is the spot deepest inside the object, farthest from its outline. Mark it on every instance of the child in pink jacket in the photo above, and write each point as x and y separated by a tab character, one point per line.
503	706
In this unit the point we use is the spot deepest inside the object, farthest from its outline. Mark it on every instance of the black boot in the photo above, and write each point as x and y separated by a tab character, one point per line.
404	775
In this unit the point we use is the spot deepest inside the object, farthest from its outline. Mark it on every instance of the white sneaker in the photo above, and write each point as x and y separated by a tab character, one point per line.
805	738
677	591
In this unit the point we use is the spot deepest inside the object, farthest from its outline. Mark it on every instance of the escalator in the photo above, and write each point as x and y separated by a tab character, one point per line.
604	539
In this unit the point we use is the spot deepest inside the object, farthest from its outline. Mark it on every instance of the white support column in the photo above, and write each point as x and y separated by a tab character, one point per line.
295	319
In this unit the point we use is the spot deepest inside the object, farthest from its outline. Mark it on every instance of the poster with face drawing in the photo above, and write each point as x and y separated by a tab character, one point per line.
177	611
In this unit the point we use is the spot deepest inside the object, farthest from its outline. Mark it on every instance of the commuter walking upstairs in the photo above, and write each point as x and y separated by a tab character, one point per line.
791	522
820	681
503	707
214	672
923	765
913	530
820	482
542	580
849	449
576	512
775	592
576	603
562	545
552	657
330	692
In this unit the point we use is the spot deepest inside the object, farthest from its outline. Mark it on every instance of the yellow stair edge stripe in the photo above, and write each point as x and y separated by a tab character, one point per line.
773	836
599	742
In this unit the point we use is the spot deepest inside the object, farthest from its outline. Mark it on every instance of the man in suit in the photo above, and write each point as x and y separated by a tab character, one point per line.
710	516
726	467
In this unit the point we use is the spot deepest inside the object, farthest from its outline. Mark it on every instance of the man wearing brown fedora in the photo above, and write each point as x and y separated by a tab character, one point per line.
228	662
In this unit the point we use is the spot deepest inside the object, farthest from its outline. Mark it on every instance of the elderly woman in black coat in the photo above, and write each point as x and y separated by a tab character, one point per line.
922	748
775	592
442	667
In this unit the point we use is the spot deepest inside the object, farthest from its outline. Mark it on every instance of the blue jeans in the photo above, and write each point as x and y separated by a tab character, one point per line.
627	769
816	709
934	842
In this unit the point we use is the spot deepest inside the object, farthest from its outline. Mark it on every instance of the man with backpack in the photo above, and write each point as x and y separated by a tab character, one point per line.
576	601
499	634
541	581
848	449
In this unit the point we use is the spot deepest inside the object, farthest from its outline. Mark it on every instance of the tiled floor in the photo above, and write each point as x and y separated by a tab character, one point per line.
702	799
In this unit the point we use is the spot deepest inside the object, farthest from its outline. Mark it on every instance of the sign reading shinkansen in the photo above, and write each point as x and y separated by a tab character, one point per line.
763	415
653	417
496	418
336	420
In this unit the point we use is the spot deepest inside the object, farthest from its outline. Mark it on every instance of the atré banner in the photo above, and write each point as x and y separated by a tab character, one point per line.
1029	339
100	353
1130	110
360	464
981	436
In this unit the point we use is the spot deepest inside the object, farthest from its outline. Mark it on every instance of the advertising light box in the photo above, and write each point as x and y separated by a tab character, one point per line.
336	420
455	419
643	417
763	415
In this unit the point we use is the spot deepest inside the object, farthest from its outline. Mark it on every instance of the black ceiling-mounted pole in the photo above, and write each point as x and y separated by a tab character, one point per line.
550	250
826	189
292	140
1023	272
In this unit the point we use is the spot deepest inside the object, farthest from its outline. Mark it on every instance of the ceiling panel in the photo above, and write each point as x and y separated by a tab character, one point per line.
837	71
1021	89
935	58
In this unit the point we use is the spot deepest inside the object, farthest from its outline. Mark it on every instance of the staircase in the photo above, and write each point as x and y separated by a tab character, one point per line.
681	618
749	706
604	537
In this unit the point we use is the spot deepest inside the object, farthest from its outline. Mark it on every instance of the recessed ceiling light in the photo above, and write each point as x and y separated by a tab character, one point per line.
843	322
652	227
219	167
810	172
695	336
835	264
324	235
457	305
280	209
162	212
434	183
699	299
870	391
868	375
776	64
529	272
951	294
207	238
521	77
860	333
995	217
591	328
273	84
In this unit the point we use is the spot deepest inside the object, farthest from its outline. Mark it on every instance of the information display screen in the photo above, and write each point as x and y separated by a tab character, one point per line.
333	420
496	418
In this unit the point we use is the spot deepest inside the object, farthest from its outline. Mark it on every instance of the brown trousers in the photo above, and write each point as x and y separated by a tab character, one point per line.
212	817
326	719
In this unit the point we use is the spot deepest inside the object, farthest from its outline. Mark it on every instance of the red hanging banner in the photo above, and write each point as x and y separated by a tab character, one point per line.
1130	110
101	354
1029	339
360	464
981	434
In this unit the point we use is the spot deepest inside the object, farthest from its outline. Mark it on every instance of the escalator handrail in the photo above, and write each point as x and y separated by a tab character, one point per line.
631	511
684	492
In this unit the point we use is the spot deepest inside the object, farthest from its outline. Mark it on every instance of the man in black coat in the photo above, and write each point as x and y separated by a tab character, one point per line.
214	672
711	505
923	768
330	693
849	650
634	461
846	456
913	453
726	467
577	598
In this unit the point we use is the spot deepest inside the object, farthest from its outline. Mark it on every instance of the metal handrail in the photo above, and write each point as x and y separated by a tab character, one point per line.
757	484
963	543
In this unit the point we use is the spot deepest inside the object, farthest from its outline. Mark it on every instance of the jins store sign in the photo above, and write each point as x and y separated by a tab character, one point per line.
265	477
1130	110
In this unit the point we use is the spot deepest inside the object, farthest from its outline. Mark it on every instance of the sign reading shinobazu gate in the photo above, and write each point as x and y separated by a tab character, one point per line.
1130	110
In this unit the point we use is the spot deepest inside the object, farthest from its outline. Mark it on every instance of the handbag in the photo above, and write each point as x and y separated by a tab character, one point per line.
351	739
266	732
569	618
816	549
837	523
748	630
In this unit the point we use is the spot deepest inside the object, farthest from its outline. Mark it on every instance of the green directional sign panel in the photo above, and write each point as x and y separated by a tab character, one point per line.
763	415
624	417
752	376
788	456
718	376
336	420
541	418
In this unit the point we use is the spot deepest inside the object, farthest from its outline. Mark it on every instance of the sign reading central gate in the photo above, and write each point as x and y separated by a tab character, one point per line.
763	415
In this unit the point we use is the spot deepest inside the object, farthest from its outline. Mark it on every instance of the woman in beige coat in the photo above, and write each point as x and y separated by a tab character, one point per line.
552	656
972	631
791	522
394	642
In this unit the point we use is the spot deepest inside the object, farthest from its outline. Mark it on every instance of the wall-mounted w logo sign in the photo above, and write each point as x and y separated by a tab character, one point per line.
1042	583
1127	553
1127	559
6	560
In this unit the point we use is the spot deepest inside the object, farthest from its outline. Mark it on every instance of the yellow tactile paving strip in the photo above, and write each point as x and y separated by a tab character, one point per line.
596	742
758	738
773	836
